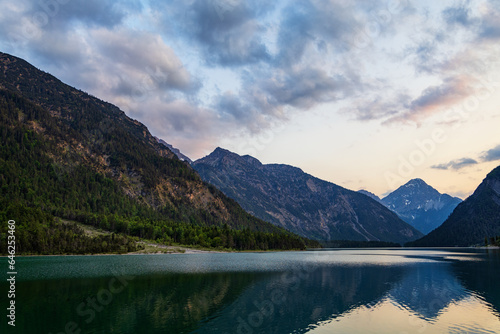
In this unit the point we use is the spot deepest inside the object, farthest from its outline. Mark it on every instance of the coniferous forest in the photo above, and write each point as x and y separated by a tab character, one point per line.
67	155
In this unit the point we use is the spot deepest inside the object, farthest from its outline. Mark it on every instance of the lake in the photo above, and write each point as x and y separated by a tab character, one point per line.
328	291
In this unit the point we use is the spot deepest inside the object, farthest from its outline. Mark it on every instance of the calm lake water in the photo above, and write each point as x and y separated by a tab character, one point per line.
328	291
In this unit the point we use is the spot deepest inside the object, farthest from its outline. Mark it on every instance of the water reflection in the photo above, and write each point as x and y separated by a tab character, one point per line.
448	296
325	292
427	289
146	304
294	301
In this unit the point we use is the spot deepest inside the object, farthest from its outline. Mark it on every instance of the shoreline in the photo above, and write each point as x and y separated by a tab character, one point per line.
179	250
167	250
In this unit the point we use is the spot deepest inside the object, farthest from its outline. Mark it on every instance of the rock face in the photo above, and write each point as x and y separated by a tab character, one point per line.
473	220
93	145
420	205
288	197
176	151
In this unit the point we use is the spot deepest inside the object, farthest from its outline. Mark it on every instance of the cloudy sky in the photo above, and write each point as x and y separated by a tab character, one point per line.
360	93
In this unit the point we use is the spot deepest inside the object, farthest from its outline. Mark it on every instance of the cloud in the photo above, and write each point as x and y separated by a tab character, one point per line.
115	64
232	105
458	60
434	99
157	59
35	20
309	23
456	164
485	24
144	60
459	15
492	154
437	97
183	124
490	23
102	13
305	87
368	108
227	32
487	156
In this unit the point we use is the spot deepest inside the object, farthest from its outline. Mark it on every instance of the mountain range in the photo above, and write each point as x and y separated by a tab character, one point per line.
288	197
420	205
68	155
474	220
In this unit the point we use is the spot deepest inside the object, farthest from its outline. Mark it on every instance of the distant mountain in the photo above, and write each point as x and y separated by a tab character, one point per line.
176	151
420	205
66	154
473	220
288	197
369	194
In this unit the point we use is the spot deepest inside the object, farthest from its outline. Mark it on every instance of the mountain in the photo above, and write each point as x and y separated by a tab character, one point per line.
174	150
473	220
370	194
420	205
288	197
69	155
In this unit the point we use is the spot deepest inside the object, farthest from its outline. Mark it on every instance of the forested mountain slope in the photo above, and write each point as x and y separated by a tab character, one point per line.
67	154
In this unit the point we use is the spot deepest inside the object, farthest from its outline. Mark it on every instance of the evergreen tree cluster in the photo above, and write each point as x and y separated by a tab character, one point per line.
492	241
37	232
50	145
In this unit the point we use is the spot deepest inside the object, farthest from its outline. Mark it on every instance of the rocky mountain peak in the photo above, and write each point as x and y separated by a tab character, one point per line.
421	205
286	196
221	156
473	220
416	182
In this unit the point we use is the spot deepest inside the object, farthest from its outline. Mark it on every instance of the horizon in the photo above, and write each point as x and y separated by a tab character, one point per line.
363	95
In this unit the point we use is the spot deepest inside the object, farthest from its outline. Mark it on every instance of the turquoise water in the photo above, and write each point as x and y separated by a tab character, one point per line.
329	291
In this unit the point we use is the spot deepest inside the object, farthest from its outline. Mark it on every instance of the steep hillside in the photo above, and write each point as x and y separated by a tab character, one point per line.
301	203
473	220
176	151
420	205
76	157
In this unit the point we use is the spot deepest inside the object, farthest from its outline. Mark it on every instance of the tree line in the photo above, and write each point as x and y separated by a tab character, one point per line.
38	184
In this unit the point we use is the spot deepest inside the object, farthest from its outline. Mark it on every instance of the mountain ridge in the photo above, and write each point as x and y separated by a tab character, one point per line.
370	194
176	151
79	158
304	204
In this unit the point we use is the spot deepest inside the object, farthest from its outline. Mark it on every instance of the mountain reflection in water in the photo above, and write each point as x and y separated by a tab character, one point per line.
341	291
